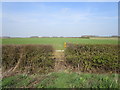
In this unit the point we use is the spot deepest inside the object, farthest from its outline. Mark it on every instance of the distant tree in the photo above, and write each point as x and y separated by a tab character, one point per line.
6	37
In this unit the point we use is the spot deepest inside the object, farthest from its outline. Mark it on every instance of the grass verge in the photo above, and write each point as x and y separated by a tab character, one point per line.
63	80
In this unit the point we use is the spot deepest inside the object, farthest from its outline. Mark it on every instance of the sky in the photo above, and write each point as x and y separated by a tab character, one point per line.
67	19
60	0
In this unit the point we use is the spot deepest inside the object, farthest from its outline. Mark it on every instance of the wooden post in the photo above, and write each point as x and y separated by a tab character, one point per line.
65	44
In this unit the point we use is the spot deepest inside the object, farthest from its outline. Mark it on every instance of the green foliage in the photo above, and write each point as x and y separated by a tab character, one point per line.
34	58
93	58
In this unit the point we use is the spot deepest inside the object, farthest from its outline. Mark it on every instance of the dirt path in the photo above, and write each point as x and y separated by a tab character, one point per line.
60	64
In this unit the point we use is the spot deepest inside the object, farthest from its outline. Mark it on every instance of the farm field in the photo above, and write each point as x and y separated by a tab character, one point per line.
61	76
72	45
59	42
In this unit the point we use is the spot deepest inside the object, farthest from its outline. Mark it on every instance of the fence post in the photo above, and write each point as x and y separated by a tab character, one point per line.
65	44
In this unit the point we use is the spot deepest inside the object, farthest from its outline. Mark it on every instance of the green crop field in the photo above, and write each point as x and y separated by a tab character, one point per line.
58	43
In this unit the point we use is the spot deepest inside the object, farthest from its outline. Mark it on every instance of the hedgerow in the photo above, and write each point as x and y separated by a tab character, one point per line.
28	58
93	58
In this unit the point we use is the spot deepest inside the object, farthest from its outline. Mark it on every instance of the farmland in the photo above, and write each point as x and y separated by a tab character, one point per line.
57	43
43	67
60	45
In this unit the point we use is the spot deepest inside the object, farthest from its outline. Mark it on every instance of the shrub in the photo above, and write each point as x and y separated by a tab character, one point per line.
29	58
93	58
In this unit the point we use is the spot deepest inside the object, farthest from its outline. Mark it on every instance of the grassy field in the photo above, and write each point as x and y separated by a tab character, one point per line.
62	80
58	42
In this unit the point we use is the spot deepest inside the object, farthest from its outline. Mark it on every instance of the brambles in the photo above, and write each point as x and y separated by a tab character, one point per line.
28	58
93	58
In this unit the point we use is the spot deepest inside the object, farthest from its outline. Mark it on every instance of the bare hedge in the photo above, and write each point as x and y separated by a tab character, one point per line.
28	58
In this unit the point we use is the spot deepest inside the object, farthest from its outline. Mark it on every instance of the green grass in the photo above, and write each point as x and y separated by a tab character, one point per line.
74	80
58	42
16	81
64	80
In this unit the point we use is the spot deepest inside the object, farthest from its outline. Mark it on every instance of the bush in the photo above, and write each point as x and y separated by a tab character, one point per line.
29	58
93	58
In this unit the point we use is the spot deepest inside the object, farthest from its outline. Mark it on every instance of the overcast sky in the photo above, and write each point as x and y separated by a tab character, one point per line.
24	19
